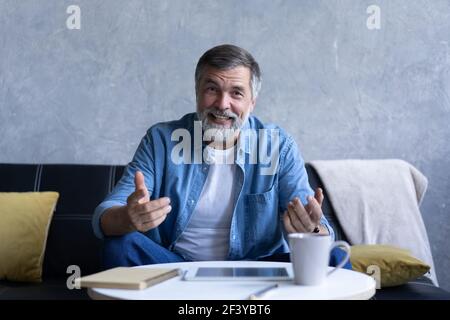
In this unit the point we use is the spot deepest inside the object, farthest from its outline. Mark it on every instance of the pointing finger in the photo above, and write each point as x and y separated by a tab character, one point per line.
139	183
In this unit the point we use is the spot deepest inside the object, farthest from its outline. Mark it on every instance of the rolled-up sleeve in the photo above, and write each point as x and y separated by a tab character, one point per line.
142	161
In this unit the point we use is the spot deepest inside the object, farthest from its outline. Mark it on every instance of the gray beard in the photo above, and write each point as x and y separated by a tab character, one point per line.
216	132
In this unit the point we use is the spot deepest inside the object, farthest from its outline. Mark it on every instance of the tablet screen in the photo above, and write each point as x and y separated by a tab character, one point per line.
241	272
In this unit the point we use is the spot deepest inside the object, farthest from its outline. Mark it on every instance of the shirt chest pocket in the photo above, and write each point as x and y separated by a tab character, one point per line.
262	219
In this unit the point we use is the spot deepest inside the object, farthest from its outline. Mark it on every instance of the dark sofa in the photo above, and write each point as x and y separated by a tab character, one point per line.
72	242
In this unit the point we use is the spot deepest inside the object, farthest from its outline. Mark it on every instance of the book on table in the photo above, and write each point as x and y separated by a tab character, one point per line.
127	278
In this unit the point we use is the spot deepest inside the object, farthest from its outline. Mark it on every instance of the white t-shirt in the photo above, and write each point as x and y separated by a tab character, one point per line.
207	235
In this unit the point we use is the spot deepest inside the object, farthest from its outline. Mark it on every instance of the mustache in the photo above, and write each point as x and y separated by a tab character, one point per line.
219	113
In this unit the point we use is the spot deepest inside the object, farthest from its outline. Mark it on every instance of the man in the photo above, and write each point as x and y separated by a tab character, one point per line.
225	206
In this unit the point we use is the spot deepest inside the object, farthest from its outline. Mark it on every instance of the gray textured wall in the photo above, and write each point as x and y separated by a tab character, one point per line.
87	96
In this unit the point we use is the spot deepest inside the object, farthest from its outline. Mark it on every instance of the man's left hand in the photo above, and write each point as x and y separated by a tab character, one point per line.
299	218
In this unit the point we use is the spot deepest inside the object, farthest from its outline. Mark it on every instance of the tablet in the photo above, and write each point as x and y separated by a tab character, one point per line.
238	273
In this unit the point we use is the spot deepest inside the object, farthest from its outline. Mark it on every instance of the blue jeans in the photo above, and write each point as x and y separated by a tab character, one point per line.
135	249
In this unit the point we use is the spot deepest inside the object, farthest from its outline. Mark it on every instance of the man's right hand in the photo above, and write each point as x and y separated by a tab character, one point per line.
142	213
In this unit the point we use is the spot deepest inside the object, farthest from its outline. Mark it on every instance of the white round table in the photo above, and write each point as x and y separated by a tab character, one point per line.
342	284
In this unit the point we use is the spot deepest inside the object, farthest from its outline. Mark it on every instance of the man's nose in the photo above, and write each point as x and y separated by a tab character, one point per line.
224	102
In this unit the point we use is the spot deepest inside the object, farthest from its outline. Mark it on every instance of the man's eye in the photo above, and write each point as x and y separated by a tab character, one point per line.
238	93
211	89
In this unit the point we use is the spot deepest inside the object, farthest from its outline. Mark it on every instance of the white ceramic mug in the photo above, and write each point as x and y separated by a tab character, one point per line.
310	255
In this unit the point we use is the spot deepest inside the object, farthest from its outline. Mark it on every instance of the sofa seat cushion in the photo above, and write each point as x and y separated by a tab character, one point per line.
56	289
419	289
50	289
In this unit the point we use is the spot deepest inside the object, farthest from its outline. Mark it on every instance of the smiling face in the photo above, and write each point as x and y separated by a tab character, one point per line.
224	101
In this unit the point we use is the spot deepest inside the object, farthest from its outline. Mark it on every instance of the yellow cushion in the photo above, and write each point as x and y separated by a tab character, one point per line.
24	222
396	266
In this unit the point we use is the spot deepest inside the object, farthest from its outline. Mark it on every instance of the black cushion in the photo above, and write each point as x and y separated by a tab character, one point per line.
18	177
419	289
81	187
71	240
50	289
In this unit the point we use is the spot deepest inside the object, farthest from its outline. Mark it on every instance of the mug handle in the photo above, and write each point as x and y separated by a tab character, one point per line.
344	261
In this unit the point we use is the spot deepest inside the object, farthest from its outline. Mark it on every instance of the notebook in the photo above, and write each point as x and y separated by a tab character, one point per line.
127	278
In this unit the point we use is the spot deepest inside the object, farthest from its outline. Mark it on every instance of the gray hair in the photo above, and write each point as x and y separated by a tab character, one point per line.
226	57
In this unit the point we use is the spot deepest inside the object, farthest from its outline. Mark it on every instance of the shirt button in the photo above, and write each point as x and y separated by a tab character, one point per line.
191	202
205	168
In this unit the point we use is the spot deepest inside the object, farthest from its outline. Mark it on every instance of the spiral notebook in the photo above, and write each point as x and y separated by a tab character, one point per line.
127	278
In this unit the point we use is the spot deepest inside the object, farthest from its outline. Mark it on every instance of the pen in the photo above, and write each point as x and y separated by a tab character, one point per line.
256	295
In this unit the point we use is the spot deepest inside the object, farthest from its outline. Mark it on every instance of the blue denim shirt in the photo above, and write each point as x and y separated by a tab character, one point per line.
256	227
